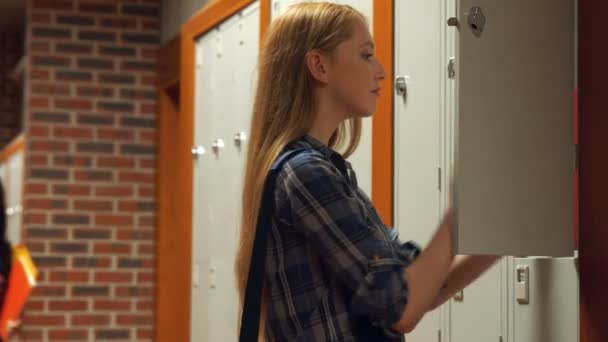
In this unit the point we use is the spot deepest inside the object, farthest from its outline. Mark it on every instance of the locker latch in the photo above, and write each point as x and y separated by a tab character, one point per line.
400	85
451	68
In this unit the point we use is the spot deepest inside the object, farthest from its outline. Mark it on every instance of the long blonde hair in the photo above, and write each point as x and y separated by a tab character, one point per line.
284	106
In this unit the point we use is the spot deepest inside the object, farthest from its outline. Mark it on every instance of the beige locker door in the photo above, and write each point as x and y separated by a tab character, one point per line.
552	311
514	143
204	183
418	51
479	313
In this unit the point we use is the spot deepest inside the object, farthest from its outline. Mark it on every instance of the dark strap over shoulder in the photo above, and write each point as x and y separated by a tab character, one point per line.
250	322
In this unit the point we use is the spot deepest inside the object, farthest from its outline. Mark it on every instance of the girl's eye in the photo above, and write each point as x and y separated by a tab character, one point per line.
368	56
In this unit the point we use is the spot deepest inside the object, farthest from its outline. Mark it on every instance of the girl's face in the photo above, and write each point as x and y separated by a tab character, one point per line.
354	75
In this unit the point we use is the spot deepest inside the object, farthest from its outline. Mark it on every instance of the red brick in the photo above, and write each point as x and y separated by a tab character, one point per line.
150	24
115	134
38	160
137	177
50	89
149	53
134	291
49	146
146	108
91	320
35	218
38	131
94	175
52	4
40	47
43	320
114	220
69	276
35	305
113	277
149	221
134	234
68	335
118	23
112	248
40	74
36	189
116	162
69	132
93	205
149	80
30	334
39	102
67	160
68	305
70	189
148	136
147	334
132	206
114	191
41	18
135	319
36	247
46	204
73	104
146	277
112	305
147	164
147	192
146	249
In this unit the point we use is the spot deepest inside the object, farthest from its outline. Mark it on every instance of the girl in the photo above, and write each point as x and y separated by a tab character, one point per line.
332	268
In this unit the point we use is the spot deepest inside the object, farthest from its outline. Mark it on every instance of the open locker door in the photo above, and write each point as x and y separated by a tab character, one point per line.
515	157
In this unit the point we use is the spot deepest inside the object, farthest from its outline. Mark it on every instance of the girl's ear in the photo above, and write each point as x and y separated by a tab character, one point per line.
317	65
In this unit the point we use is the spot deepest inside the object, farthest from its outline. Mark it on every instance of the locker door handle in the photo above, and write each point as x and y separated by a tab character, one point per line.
217	145
198	151
239	138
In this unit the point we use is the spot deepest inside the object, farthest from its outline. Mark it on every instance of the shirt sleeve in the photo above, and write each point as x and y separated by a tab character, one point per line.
325	209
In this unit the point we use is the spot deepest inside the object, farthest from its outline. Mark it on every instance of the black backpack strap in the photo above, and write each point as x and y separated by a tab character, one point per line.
250	321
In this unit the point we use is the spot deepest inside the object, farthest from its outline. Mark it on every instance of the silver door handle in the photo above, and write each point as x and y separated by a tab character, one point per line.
217	145
239	138
198	151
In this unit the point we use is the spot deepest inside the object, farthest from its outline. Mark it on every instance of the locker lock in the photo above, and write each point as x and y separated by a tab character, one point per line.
476	20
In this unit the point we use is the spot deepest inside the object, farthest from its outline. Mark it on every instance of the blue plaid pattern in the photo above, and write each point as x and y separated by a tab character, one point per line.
330	259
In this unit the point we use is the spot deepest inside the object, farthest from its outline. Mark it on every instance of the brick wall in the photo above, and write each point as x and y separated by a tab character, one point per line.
91	169
11	51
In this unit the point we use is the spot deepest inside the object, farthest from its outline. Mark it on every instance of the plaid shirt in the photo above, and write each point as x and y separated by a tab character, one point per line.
330	259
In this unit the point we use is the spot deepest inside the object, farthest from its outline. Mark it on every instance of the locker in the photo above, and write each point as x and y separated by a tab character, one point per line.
514	146
225	84
551	311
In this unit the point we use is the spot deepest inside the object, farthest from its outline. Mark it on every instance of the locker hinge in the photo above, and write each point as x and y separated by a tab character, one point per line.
439	178
439	335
